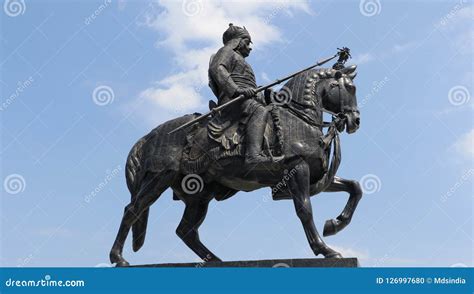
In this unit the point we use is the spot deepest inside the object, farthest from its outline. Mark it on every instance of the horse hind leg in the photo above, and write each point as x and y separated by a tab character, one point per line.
193	216
333	226
151	188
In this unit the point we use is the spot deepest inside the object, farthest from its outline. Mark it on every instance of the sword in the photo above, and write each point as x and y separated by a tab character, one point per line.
259	89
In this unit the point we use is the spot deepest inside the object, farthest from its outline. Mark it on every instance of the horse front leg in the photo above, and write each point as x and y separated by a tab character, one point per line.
298	186
333	226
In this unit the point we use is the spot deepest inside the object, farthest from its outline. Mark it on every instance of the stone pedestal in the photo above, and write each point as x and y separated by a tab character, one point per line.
303	262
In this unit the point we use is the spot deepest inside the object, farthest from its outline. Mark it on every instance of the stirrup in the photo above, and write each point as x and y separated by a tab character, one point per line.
257	158
277	158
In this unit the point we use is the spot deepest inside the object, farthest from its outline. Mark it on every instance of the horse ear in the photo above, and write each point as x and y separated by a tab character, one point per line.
352	75
349	70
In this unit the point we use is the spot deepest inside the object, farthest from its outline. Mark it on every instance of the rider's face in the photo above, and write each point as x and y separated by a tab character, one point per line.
244	47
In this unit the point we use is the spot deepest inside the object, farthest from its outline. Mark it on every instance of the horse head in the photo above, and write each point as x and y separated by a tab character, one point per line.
337	93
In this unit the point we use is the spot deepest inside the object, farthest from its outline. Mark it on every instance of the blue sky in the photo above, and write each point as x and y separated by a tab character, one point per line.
83	80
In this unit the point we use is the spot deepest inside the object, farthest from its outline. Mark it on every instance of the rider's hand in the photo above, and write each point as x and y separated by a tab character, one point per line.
247	92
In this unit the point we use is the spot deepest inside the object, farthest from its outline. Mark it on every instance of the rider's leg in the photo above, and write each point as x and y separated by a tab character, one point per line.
255	130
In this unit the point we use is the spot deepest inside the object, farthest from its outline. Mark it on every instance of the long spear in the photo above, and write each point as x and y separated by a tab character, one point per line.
259	89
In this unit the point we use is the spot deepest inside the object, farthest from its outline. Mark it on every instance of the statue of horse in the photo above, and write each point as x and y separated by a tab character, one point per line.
159	161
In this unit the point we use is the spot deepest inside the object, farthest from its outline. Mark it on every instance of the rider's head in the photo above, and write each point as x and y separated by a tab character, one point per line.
238	38
244	47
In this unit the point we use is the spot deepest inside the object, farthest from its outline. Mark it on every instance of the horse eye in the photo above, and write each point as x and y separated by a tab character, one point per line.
350	87
333	84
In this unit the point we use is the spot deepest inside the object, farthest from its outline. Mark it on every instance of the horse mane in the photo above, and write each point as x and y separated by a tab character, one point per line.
302	87
303	91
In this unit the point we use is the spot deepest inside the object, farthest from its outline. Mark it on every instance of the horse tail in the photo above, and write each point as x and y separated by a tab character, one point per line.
134	175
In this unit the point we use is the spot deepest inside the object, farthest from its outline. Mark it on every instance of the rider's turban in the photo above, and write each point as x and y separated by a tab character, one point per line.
235	32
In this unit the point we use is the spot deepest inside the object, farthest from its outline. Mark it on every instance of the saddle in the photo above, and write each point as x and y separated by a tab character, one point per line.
213	140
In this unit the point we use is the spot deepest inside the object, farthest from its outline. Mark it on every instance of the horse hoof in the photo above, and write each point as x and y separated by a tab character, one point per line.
122	263
330	228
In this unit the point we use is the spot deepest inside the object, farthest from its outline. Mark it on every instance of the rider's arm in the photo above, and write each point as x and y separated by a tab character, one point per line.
225	81
219	70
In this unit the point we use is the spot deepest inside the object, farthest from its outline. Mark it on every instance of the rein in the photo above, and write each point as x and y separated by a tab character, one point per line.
299	111
306	118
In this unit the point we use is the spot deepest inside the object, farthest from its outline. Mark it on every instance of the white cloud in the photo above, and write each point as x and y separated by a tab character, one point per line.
362	58
457	17
465	145
398	48
457	25
265	77
192	31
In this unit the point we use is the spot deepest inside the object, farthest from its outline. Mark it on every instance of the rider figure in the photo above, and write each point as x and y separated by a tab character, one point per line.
231	76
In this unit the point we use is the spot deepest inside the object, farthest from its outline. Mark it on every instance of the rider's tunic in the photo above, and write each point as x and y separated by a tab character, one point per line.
229	71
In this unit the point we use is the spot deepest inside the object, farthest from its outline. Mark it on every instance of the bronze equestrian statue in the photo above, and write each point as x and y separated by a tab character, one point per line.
249	140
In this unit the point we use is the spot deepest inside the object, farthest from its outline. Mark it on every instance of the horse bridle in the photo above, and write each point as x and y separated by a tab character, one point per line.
335	116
